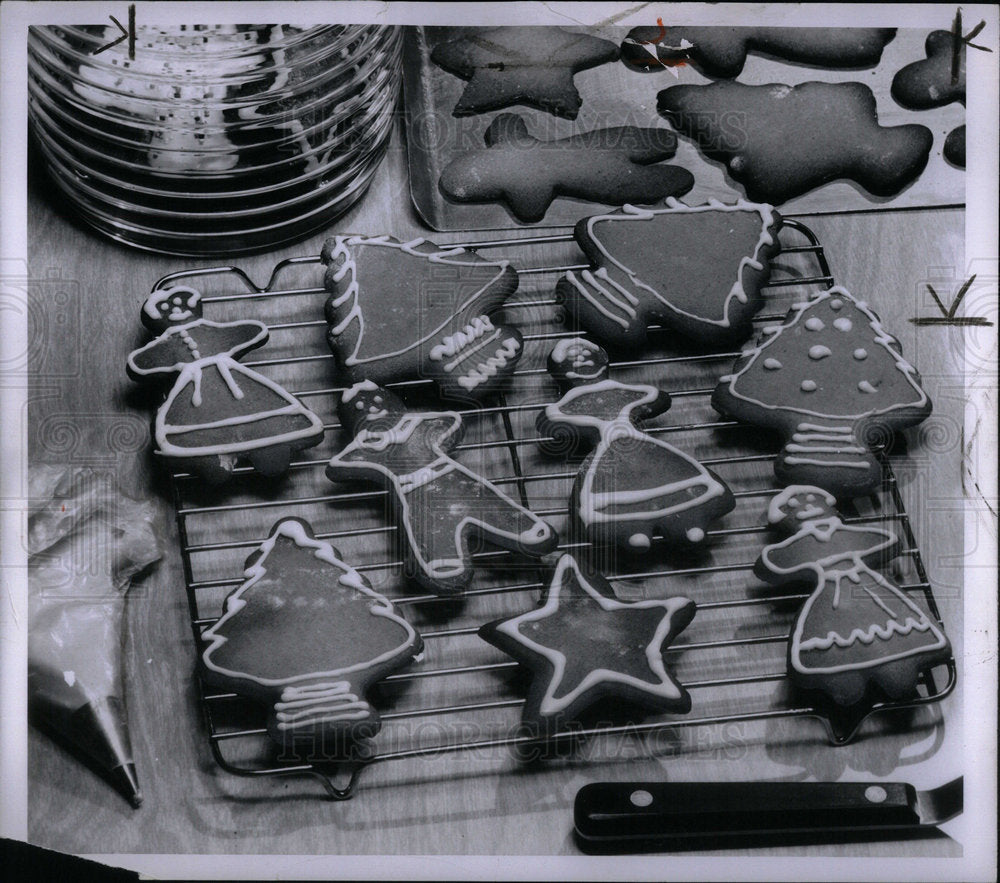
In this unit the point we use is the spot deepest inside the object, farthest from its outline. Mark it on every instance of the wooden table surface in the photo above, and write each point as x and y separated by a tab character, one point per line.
450	804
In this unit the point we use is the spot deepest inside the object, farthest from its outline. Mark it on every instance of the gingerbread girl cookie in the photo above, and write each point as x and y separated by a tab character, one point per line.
218	410
632	485
308	636
582	645
833	383
856	628
439	503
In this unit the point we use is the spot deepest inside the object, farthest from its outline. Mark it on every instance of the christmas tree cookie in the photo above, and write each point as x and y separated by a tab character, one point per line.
632	485
403	310
857	628
218	410
833	383
439	503
696	269
307	636
583	645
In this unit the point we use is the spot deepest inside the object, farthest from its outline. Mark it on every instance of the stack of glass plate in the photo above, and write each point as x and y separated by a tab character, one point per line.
214	139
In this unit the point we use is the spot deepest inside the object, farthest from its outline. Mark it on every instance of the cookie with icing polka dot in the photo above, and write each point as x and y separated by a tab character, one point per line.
834	384
406	310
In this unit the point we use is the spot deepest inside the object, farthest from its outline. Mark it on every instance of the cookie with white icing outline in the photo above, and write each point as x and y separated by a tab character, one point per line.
439	504
834	384
781	141
403	310
583	645
512	65
306	635
217	410
612	166
632	486
696	269
857	628
722	51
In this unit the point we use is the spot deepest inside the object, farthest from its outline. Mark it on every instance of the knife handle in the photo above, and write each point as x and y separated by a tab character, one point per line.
621	811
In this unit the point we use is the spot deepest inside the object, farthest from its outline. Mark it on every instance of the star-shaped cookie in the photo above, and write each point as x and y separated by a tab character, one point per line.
532	66
583	644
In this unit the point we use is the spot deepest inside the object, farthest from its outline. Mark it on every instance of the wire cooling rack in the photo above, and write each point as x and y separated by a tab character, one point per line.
464	695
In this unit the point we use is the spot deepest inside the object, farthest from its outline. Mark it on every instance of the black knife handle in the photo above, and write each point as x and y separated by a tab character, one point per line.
624	811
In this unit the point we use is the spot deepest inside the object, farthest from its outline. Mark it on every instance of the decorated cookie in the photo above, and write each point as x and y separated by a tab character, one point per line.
834	384
936	80
954	147
782	141
722	51
583	645
856	628
218	410
532	65
696	269
440	504
401	310
612	166
632	485
307	636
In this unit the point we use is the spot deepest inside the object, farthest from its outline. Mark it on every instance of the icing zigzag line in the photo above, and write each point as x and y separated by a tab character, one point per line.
866	636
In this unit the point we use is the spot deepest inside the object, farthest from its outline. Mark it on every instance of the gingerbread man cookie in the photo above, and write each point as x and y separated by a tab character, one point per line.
696	269
439	503
834	384
582	645
856	628
401	310
612	166
218	410
308	636
632	486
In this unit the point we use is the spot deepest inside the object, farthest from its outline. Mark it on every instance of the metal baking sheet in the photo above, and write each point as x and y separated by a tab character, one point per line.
614	95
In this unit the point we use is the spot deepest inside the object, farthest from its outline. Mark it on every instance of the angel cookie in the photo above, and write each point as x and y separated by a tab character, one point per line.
583	645
308	636
632	485
403	310
696	269
833	383
856	628
439	503
218	409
